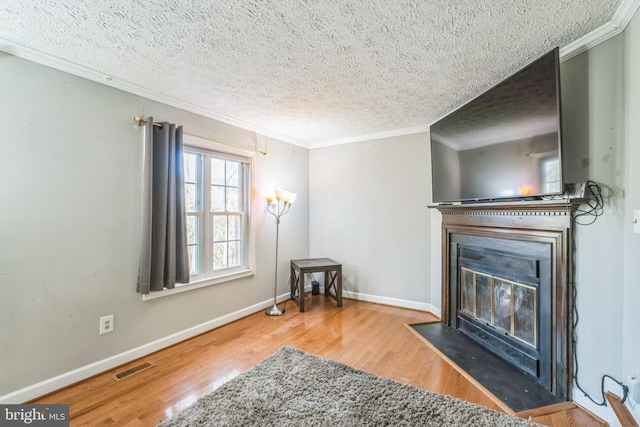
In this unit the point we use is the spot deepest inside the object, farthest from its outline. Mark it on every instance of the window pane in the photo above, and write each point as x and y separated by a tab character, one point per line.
219	228
193	260
217	199
217	171
235	222
234	253
192	241
191	161
232	173
190	195
191	181
233	199
219	255
192	229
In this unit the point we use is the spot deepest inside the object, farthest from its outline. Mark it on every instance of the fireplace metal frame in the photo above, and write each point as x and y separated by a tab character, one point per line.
541	220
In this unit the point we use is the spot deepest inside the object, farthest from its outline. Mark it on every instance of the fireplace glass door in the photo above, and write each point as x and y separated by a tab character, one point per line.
505	305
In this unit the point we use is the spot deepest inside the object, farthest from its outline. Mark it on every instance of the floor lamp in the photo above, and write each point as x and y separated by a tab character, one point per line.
279	203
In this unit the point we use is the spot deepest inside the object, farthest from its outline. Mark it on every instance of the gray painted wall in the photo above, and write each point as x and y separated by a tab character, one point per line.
595	117
631	280
368	211
70	218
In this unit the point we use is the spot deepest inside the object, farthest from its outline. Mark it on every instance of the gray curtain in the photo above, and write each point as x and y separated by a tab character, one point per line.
164	260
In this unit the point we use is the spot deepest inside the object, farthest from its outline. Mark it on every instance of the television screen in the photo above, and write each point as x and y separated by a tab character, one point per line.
504	144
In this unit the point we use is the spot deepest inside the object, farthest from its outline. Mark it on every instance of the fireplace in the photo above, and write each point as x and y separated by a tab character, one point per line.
501	294
506	275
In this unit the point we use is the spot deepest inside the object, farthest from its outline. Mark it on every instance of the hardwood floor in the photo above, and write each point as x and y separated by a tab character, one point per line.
364	335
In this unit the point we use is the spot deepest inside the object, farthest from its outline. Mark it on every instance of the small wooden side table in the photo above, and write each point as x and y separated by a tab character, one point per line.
332	278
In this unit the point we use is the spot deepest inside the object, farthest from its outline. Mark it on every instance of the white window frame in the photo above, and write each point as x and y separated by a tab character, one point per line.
207	147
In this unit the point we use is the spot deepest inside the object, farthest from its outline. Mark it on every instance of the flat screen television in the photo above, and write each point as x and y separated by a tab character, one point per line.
505	143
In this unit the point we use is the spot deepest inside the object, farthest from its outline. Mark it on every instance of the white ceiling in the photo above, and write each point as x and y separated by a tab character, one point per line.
308	72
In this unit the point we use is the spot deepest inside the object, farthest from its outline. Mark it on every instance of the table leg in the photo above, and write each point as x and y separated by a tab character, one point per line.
301	292
339	287
292	284
327	291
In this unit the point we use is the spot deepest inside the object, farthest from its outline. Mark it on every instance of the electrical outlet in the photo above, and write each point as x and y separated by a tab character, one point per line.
634	388
106	324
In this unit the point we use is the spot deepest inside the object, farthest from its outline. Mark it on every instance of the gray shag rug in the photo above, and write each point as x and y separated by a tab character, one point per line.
294	388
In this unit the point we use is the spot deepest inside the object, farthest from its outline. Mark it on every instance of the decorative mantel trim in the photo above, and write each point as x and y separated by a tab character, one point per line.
503	212
541	214
539	207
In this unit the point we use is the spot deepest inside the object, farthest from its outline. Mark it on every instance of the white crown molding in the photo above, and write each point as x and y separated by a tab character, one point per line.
33	55
620	20
371	136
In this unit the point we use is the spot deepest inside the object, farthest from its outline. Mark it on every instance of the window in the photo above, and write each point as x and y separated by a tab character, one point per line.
218	179
217	196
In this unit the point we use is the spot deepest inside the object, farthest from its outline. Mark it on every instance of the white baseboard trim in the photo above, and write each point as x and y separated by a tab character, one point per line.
396	302
68	378
52	384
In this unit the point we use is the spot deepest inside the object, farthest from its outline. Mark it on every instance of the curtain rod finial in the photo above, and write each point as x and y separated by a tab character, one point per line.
139	120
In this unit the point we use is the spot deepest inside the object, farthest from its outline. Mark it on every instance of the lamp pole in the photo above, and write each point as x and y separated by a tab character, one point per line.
279	203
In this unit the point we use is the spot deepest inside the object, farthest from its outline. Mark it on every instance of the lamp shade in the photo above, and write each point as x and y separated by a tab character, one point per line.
270	196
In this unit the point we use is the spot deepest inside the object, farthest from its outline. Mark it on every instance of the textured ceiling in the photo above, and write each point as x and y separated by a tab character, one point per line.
311	71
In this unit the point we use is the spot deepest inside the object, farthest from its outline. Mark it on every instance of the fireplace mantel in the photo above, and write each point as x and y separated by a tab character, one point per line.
548	222
552	213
